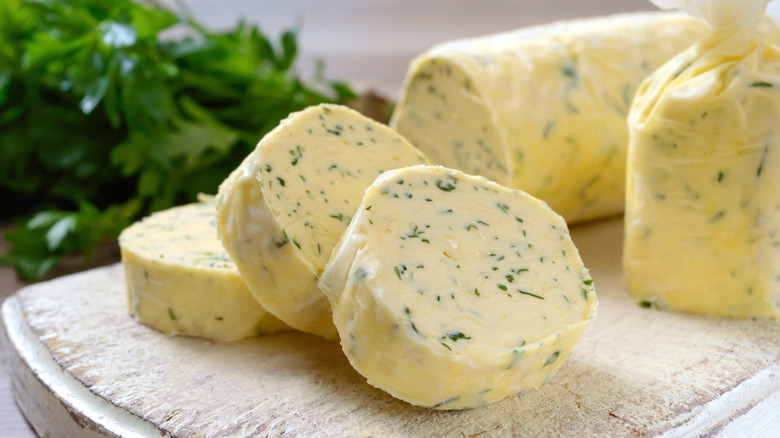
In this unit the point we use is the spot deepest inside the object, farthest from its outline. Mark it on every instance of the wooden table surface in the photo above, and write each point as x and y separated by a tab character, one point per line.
366	43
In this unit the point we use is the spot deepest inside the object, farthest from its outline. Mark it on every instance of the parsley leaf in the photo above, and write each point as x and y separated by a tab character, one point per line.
104	119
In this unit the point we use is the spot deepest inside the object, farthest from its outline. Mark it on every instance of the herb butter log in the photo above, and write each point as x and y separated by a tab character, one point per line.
450	291
702	226
283	209
541	109
181	281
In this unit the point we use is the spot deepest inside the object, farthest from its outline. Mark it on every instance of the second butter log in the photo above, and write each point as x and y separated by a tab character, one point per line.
541	109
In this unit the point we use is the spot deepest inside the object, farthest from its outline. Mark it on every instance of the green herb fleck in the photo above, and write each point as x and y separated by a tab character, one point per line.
454	336
448	401
547	129
717	216
517	354
553	357
284	240
447	187
296	154
530	294
416	233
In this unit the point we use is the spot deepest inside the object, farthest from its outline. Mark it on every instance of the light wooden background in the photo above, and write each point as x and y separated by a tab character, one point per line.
368	43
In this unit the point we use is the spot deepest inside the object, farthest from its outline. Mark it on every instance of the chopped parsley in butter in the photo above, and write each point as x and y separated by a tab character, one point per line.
445	284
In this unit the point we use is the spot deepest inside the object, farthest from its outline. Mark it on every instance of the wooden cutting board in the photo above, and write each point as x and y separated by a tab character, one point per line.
81	367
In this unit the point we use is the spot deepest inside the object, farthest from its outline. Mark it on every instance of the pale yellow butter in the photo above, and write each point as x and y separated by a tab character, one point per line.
702	225
450	291
541	109
281	212
181	281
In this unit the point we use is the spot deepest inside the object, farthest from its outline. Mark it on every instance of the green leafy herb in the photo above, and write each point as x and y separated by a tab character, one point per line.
553	357
530	294
454	336
447	187
105	119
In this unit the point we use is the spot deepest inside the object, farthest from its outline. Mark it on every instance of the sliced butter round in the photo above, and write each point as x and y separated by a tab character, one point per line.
450	291
282	210
180	280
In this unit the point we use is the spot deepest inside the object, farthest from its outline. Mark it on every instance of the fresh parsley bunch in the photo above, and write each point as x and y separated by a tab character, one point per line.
105	117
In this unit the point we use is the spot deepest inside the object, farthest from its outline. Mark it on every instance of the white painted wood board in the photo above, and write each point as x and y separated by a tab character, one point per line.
81	366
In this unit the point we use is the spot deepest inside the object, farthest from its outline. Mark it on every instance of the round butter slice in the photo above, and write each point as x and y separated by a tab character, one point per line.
452	292
282	210
181	281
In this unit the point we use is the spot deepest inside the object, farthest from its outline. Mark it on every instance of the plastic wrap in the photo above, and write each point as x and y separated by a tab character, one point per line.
702	224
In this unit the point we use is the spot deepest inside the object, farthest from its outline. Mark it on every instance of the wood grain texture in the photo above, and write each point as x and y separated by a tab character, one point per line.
636	371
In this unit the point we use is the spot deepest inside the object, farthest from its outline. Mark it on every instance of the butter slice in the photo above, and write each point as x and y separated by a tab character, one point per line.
541	109
181	281
283	209
702	228
451	292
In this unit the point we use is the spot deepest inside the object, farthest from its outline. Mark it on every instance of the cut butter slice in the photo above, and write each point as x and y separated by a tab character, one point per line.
541	109
181	281
283	209
450	291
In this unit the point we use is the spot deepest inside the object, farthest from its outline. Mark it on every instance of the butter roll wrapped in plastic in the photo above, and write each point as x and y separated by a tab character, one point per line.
541	109
702	224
